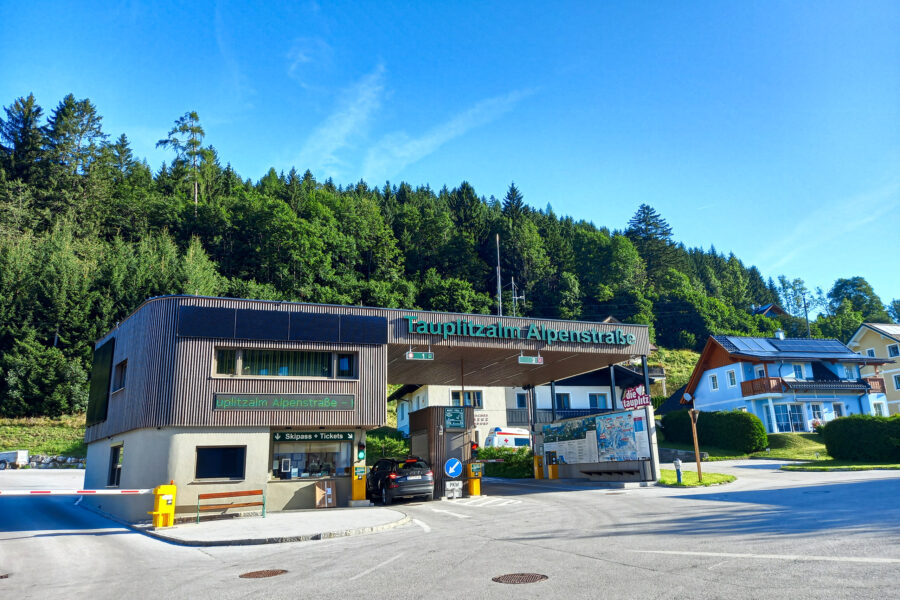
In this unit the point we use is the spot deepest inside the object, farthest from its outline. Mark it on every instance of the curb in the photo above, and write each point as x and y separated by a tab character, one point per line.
325	535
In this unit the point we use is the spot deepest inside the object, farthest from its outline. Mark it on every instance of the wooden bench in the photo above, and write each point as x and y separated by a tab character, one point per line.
241	494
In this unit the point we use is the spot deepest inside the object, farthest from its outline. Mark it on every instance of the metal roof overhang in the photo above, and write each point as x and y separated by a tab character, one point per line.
461	365
790	356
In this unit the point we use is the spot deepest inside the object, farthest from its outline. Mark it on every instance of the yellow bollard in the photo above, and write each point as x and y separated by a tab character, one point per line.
163	505
553	471
358	485
538	467
474	475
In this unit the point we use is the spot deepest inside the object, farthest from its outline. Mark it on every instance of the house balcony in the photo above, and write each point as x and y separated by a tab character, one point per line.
779	385
519	416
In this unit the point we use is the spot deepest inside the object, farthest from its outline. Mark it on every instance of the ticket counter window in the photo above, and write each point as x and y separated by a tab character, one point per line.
312	459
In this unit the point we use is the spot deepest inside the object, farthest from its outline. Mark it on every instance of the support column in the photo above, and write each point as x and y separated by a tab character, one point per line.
612	386
553	401
651	425
772	416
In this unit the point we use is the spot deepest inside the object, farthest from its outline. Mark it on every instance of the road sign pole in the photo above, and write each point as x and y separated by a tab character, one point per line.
694	414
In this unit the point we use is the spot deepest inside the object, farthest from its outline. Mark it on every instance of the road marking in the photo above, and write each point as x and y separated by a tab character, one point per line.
510	502
438	510
423	525
375	568
852	559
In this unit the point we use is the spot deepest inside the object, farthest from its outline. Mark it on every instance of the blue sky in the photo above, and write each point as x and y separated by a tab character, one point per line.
768	129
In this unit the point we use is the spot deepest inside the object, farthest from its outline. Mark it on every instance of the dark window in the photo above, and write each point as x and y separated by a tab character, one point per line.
562	402
597	400
285	363
116	454
893	350
101	375
470	399
346	366
226	362
119	376
223	462
521	400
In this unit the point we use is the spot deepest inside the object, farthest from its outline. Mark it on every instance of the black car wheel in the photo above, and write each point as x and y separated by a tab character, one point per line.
386	497
2	465
429	497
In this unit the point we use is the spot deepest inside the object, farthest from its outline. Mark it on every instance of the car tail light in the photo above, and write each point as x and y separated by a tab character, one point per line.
430	473
393	476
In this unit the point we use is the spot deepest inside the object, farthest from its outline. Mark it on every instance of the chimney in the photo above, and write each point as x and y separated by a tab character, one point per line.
779	334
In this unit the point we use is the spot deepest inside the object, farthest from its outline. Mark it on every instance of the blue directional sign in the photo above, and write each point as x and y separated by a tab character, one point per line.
453	468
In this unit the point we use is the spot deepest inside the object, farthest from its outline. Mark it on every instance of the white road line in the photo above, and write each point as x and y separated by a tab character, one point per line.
423	525
438	510
510	502
853	559
490	501
376	567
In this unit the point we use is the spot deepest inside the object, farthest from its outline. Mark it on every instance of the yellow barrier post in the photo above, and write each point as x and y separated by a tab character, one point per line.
538	467
552	466
474	475
163	505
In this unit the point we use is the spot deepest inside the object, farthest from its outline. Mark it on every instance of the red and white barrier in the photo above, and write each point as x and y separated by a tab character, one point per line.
73	492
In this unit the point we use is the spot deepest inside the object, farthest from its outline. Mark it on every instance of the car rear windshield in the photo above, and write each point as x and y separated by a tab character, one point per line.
416	464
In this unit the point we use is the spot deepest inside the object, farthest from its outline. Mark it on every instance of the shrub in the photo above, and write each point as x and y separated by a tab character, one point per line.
658	401
518	462
863	437
734	430
385	441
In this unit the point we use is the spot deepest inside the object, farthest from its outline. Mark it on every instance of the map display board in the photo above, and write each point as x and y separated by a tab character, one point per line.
622	436
574	441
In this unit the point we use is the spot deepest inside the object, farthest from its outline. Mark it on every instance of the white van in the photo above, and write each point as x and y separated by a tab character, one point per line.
508	437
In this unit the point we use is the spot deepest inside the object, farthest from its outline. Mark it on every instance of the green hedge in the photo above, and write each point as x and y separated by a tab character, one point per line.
518	462
735	429
863	437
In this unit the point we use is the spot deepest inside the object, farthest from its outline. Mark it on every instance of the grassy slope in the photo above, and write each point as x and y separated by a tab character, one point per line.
668	477
678	364
44	435
794	446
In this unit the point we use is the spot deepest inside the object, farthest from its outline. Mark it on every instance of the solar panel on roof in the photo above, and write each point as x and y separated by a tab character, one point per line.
808	345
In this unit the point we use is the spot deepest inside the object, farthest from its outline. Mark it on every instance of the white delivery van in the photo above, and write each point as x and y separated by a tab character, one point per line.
508	437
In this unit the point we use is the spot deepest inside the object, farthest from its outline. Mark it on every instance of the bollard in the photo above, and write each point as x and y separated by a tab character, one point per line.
538	466
677	464
163	505
358	484
474	477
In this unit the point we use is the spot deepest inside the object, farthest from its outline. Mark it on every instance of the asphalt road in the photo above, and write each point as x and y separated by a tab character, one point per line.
771	534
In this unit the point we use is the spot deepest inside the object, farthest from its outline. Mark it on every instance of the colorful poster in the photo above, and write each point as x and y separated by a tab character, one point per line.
574	441
615	437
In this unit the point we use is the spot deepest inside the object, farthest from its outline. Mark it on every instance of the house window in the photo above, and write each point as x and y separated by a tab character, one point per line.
732	378
760	372
798	371
521	400
897	382
797	419
119	375
346	365
220	462
401	411
879	409
562	402
116	455
285	363
838	409
226	361
789	417
597	400
816	411
714	382
470	399
870	352
893	350
313	459
782	419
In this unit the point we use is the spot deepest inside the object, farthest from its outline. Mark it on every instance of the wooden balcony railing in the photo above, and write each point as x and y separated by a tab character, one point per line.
761	385
876	385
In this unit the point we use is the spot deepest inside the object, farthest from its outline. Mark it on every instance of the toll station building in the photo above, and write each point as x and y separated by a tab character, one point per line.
224	395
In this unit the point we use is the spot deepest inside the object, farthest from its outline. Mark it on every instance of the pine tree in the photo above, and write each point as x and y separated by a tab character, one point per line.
22	139
186	139
513	203
652	236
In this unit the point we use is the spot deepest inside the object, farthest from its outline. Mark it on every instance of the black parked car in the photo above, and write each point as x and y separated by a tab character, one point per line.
400	478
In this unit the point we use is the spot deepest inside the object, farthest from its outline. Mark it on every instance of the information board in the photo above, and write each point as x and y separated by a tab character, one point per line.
454	418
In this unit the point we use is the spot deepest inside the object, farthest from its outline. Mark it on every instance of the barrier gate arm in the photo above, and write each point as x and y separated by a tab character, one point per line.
73	492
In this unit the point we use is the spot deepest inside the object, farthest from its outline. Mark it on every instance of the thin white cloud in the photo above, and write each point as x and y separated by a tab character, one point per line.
831	223
395	151
304	53
354	110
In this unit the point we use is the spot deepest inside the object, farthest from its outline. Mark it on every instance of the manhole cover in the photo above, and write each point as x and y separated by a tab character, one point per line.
263	573
520	578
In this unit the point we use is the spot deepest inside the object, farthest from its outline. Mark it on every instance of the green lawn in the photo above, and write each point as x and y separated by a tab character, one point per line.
790	446
44	435
668	478
839	465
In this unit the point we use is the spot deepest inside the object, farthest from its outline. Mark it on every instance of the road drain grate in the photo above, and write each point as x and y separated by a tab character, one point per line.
261	574
520	578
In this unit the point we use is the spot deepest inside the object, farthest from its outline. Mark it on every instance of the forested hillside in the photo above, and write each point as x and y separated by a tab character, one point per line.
88	231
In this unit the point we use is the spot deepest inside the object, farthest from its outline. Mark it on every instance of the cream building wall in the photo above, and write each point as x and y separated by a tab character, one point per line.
491	414
866	339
